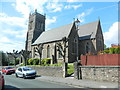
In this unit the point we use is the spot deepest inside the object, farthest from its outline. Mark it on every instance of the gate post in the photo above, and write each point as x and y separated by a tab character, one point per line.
76	71
64	66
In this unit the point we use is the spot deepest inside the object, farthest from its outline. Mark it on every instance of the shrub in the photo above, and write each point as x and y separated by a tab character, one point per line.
117	50
36	61
30	61
112	50
46	61
106	51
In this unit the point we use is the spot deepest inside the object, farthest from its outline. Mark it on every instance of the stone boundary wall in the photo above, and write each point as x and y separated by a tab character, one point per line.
54	71
101	73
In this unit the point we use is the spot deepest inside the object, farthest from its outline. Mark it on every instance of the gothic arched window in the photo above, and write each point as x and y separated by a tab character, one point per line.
87	47
48	51
59	55
34	51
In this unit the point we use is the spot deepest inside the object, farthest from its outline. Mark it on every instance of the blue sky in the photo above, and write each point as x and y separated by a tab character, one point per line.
14	18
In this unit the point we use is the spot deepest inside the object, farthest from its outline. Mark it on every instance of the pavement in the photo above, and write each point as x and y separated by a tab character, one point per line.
81	83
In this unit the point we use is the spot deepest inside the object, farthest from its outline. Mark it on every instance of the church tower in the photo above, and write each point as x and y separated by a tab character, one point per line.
36	26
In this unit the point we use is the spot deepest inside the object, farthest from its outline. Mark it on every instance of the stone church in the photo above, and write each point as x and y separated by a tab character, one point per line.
81	39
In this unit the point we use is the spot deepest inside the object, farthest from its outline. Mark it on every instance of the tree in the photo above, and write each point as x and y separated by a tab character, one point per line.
62	48
3	58
14	54
25	55
39	51
105	46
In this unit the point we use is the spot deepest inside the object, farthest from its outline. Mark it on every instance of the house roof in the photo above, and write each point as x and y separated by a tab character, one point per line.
54	34
88	31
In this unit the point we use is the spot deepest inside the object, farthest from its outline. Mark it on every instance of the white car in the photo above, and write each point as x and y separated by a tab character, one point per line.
25	72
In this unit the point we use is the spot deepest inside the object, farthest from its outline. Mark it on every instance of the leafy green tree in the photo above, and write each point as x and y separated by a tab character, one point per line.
105	46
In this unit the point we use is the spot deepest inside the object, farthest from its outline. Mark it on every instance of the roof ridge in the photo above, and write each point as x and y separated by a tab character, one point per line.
89	23
58	27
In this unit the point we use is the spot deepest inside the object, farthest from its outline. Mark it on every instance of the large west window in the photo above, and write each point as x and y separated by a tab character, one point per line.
48	51
87	48
59	54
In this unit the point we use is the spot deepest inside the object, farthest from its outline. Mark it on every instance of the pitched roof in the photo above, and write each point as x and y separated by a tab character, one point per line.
54	34
88	31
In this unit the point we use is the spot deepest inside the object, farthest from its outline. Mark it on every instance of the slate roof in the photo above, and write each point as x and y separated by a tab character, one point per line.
54	34
88	31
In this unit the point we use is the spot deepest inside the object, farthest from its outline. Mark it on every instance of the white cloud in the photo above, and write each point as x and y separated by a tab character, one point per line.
70	0
4	39
14	21
73	6
8	47
25	6
111	36
50	21
54	7
91	0
13	32
82	15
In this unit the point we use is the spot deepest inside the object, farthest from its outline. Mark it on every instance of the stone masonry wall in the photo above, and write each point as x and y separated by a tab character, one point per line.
101	73
54	71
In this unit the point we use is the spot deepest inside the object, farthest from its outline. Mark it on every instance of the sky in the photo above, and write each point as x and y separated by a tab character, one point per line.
14	15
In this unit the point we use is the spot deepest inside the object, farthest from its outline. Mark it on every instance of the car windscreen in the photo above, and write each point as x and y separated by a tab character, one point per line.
26	69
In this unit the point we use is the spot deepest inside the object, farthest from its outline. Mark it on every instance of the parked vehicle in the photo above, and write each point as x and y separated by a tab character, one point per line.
8	70
2	81
25	72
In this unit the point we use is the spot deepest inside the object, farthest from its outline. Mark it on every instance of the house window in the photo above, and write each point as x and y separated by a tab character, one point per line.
87	48
48	51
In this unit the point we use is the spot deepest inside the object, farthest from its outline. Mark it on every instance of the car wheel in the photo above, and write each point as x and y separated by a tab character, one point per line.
33	77
2	88
24	76
16	75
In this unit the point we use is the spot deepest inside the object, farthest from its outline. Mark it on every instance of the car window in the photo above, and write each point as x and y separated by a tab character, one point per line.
19	69
26	69
9	68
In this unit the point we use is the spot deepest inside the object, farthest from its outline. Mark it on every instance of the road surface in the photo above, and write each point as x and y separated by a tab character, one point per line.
12	82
